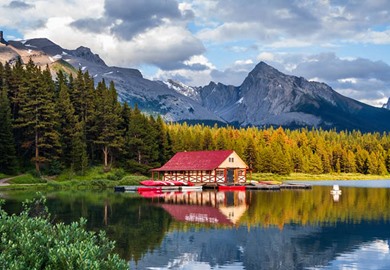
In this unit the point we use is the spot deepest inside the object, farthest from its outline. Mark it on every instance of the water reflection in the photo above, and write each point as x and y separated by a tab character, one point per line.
211	207
288	229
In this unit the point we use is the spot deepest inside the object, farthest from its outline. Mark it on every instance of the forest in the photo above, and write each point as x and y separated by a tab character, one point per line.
49	125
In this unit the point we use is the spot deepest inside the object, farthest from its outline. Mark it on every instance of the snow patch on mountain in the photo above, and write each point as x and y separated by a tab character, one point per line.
188	91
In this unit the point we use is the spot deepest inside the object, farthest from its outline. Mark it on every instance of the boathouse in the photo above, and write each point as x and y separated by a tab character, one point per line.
220	166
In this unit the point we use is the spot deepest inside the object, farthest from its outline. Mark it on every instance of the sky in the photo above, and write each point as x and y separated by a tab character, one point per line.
344	43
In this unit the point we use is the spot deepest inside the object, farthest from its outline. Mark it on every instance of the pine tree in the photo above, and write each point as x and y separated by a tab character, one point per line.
387	161
164	150
38	120
8	159
68	120
207	142
250	154
79	155
109	136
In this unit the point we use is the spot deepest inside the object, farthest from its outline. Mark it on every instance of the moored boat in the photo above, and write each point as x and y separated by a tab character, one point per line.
238	187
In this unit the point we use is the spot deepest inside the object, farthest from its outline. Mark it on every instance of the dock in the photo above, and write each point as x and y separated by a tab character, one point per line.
211	186
263	187
156	188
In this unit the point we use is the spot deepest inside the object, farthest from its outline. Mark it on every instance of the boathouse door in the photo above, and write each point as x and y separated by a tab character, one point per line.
230	176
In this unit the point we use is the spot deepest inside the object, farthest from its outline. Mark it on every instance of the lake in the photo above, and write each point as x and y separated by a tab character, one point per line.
288	229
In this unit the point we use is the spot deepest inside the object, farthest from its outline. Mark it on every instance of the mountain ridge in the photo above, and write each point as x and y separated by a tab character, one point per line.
269	97
153	97
266	97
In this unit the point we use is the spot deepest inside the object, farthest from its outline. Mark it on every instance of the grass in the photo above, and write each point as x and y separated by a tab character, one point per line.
93	173
329	176
2	175
94	178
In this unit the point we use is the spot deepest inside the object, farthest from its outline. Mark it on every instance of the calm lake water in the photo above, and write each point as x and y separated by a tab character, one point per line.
289	229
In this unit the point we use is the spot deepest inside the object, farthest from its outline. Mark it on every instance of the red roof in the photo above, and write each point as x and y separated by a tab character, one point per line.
196	161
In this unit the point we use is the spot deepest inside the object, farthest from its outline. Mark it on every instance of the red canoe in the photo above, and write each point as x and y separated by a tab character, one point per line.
231	187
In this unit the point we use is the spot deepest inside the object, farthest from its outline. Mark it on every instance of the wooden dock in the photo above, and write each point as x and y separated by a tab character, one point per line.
210	186
295	186
263	187
156	188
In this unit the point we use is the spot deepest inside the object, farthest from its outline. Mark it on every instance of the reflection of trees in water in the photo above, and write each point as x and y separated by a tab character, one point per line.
139	225
317	206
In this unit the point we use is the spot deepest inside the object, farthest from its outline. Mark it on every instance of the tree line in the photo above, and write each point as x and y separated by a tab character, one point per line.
283	151
69	123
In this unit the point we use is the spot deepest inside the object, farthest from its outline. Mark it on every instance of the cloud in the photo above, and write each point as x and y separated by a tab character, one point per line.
90	25
19	5
299	23
126	19
198	76
333	68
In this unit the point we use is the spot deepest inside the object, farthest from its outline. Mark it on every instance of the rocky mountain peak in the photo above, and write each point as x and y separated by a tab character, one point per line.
87	54
387	105
262	69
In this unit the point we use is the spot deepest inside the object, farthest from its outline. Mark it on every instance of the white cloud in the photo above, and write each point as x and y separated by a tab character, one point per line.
189	76
233	31
348	80
266	56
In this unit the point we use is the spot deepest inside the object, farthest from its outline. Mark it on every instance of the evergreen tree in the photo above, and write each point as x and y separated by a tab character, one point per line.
67	120
8	159
208	142
79	155
38	121
315	164
250	154
109	136
164	150
387	161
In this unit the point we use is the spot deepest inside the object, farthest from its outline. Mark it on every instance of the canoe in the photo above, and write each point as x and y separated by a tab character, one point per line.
231	187
191	188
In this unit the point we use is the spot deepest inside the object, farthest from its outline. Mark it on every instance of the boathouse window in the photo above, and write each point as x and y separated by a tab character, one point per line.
231	159
220	173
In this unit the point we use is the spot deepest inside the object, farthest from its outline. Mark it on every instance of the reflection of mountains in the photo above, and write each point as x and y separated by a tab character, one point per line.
294	247
211	207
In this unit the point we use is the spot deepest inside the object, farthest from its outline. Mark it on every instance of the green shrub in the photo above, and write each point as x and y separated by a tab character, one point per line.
26	179
116	175
30	241
132	180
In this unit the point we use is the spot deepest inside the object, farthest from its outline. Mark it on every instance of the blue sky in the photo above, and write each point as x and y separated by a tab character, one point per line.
345	44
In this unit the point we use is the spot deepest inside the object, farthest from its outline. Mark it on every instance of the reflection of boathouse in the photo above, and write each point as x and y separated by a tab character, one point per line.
224	208
222	166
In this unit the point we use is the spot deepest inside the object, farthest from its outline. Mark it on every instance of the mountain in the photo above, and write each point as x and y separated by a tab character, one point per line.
387	105
153	97
268	97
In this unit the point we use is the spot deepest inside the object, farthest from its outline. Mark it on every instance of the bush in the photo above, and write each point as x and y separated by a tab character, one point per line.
30	241
26	179
132	180
116	175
